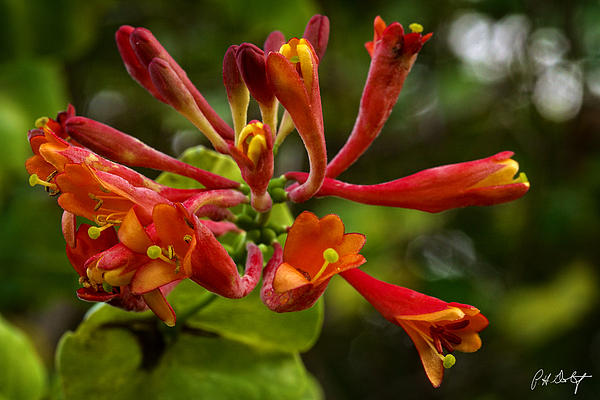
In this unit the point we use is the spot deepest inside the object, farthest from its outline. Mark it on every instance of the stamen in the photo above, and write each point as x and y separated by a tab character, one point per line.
112	218
452	338
98	201
187	238
457	325
330	256
438	344
35	180
257	146
94	231
416	28
155	252
170	252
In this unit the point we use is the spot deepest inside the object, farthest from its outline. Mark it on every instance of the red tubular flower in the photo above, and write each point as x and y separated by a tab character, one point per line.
254	156
84	249
315	250
89	185
293	76
393	55
481	182
125	149
212	268
432	324
154	253
138	47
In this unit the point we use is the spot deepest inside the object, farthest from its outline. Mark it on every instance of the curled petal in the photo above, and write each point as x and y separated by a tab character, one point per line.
219	198
85	248
69	224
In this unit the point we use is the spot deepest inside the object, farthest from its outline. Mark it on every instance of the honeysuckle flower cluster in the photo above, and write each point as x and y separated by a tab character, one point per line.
141	238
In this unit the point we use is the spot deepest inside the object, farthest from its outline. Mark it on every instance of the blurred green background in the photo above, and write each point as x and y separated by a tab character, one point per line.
497	75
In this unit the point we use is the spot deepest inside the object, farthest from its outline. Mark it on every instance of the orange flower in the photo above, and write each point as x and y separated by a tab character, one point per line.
433	325
315	250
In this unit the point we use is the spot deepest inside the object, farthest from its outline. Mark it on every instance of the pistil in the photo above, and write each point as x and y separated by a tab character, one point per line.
330	256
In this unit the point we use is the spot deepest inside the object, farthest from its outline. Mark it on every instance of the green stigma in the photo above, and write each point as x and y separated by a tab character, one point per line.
94	232
294	59
41	122
416	28
33	180
330	255
107	287
448	361
154	252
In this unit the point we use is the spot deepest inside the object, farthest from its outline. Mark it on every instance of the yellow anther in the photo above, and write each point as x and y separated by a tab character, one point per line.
187	238
35	180
252	141
330	256
41	122
448	361
257	146
416	28
306	63
299	51
286	50
94	231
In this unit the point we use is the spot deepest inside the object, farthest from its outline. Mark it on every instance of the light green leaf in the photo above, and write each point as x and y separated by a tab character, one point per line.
204	158
134	356
249	321
22	376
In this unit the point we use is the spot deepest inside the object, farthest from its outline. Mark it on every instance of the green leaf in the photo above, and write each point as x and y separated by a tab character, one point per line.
249	321
204	158
22	376
119	355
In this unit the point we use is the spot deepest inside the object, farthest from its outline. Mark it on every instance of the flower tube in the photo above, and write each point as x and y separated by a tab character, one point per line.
293	76
393	54
481	182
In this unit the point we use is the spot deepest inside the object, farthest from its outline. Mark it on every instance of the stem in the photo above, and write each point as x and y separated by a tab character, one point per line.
193	310
263	218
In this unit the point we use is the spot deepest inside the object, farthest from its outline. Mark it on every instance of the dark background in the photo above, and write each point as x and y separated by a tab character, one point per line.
497	75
